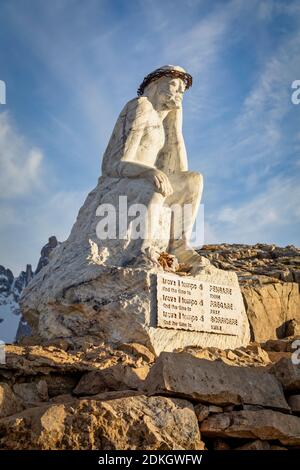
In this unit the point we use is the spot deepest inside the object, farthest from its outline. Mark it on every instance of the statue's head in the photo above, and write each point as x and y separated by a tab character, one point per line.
167	84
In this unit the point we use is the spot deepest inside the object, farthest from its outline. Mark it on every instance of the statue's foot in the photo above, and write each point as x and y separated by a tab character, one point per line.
187	255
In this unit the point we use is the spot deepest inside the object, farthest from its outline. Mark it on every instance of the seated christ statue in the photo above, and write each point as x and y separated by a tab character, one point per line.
147	144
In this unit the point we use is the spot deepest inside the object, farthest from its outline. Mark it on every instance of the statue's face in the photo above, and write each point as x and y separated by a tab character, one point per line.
170	92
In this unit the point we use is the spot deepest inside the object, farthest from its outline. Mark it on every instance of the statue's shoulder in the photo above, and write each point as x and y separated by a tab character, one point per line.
141	104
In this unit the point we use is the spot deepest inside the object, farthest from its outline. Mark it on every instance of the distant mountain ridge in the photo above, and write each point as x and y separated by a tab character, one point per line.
12	325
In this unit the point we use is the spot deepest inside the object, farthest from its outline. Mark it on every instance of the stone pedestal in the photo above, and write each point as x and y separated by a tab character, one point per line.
119	305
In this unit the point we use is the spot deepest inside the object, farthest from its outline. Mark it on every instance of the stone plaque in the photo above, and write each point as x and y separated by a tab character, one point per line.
186	303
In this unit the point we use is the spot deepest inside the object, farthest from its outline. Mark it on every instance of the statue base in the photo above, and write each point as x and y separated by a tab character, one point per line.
121	305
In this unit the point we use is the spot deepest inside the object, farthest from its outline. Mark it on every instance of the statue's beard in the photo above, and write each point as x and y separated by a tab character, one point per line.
171	102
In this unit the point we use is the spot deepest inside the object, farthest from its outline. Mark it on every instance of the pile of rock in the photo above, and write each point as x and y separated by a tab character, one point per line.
102	398
250	261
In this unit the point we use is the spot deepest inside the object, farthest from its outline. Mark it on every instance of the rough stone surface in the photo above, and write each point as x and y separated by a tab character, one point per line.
36	372
23	361
214	382
118	377
288	374
293	328
83	384
126	423
294	403
9	403
202	412
32	392
286	345
270	307
256	262
252	355
263	424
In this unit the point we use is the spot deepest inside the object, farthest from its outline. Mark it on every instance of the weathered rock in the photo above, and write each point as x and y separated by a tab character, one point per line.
255	262
9	403
63	398
251	355
270	306
48	360
126	423
59	384
138	350
202	412
46	252
255	445
61	371
112	395
263	424
118	377
277	356
294	403
216	383
228	408
288	374
280	345
32	392
215	409
252	407
292	328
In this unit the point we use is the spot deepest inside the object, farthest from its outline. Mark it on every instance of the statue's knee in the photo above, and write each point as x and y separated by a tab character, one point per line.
195	178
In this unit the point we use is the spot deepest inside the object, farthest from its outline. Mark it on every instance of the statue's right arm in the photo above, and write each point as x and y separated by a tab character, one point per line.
120	156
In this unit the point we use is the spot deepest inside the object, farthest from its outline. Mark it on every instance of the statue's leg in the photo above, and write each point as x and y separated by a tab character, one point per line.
187	187
149	246
185	200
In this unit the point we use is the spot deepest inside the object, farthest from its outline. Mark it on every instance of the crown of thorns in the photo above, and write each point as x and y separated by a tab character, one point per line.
186	77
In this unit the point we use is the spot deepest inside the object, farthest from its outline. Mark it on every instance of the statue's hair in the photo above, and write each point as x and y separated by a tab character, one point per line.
164	72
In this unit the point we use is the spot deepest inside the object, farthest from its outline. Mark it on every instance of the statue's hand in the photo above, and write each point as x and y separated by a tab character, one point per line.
160	181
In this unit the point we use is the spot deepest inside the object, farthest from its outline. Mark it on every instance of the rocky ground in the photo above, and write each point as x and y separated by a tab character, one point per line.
73	394
253	261
98	398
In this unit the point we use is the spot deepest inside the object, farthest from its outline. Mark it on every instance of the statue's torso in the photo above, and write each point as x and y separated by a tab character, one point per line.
152	141
152	137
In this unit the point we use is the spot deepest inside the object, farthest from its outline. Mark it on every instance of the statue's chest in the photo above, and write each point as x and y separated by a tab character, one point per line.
154	135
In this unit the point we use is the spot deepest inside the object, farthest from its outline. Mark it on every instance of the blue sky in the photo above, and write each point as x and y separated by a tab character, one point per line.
70	66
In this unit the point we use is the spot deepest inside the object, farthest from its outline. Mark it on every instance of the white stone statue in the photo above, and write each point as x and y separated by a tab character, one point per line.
147	143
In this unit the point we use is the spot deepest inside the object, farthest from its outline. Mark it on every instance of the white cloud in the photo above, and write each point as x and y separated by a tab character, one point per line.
20	162
24	230
269	101
31	209
274	211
